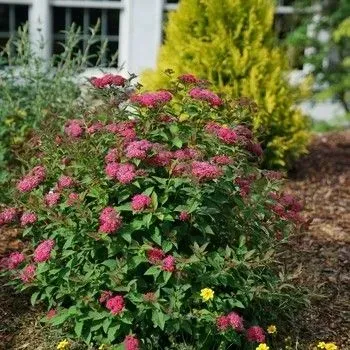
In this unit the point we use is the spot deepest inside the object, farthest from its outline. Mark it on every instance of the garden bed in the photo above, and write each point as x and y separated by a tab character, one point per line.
322	180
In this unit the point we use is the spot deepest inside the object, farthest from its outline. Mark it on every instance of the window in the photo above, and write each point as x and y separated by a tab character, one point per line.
85	18
12	16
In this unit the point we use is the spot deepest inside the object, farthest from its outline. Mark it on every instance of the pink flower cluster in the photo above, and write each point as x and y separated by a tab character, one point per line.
110	220
152	99
28	218
12	261
115	304
124	129
52	198
184	216
28	273
221	160
112	155
227	135
162	158
108	80
65	182
140	202
168	264
232	320
288	207
32	180
43	250
94	128
73	198
256	334
124	173
7	216
254	148
188	79
204	171
205	95
74	128
155	255
138	149
186	154
244	185
131	343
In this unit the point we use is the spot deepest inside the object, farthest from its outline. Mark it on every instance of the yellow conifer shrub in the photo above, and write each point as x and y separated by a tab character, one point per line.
232	43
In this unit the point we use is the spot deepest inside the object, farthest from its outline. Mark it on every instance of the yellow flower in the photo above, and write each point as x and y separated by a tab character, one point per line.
272	329
207	294
262	346
103	347
63	345
327	346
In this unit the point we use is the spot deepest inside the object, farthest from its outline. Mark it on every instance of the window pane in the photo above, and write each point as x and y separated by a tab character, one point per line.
4	15
113	22
59	14
78	17
21	12
95	15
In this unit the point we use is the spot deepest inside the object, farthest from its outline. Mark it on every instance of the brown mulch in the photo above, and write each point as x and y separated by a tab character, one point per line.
322	181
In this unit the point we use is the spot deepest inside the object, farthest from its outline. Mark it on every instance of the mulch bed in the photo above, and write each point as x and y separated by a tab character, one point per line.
322	181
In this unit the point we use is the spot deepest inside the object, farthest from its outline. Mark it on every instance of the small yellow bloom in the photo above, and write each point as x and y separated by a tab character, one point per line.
262	346
321	345
63	345
207	294
103	347
272	329
327	346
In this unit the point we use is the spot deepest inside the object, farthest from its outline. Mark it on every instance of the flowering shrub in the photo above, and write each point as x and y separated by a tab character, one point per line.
150	223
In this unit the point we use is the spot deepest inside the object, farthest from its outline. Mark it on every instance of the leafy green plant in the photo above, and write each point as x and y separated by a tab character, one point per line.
148	223
233	46
33	90
326	36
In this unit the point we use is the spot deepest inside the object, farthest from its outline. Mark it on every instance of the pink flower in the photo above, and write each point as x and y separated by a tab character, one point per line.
8	215
227	135
244	186
212	127
273	175
28	218
180	169
110	220
73	198
205	171
108	80
115	304
254	148
65	182
43	250
12	261
140	202
205	95
256	334
112	156
235	321
105	296
126	173
184	216
123	129
52	198
186	154
243	132
73	128
32	180
131	343
51	313
162	158
94	127
149	297
111	170
138	149
188	79
155	255
152	99
221	160
28	273
222	323
168	263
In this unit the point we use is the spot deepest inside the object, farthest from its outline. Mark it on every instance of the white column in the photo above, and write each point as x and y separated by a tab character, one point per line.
40	27
140	34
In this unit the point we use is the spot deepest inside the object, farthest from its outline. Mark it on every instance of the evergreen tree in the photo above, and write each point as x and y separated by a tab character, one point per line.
232	44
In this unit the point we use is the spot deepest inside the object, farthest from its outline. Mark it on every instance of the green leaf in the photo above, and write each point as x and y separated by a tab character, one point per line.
110	263
153	270
106	323
177	142
111	334
154	200
157	237
159	319
78	328
34	298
